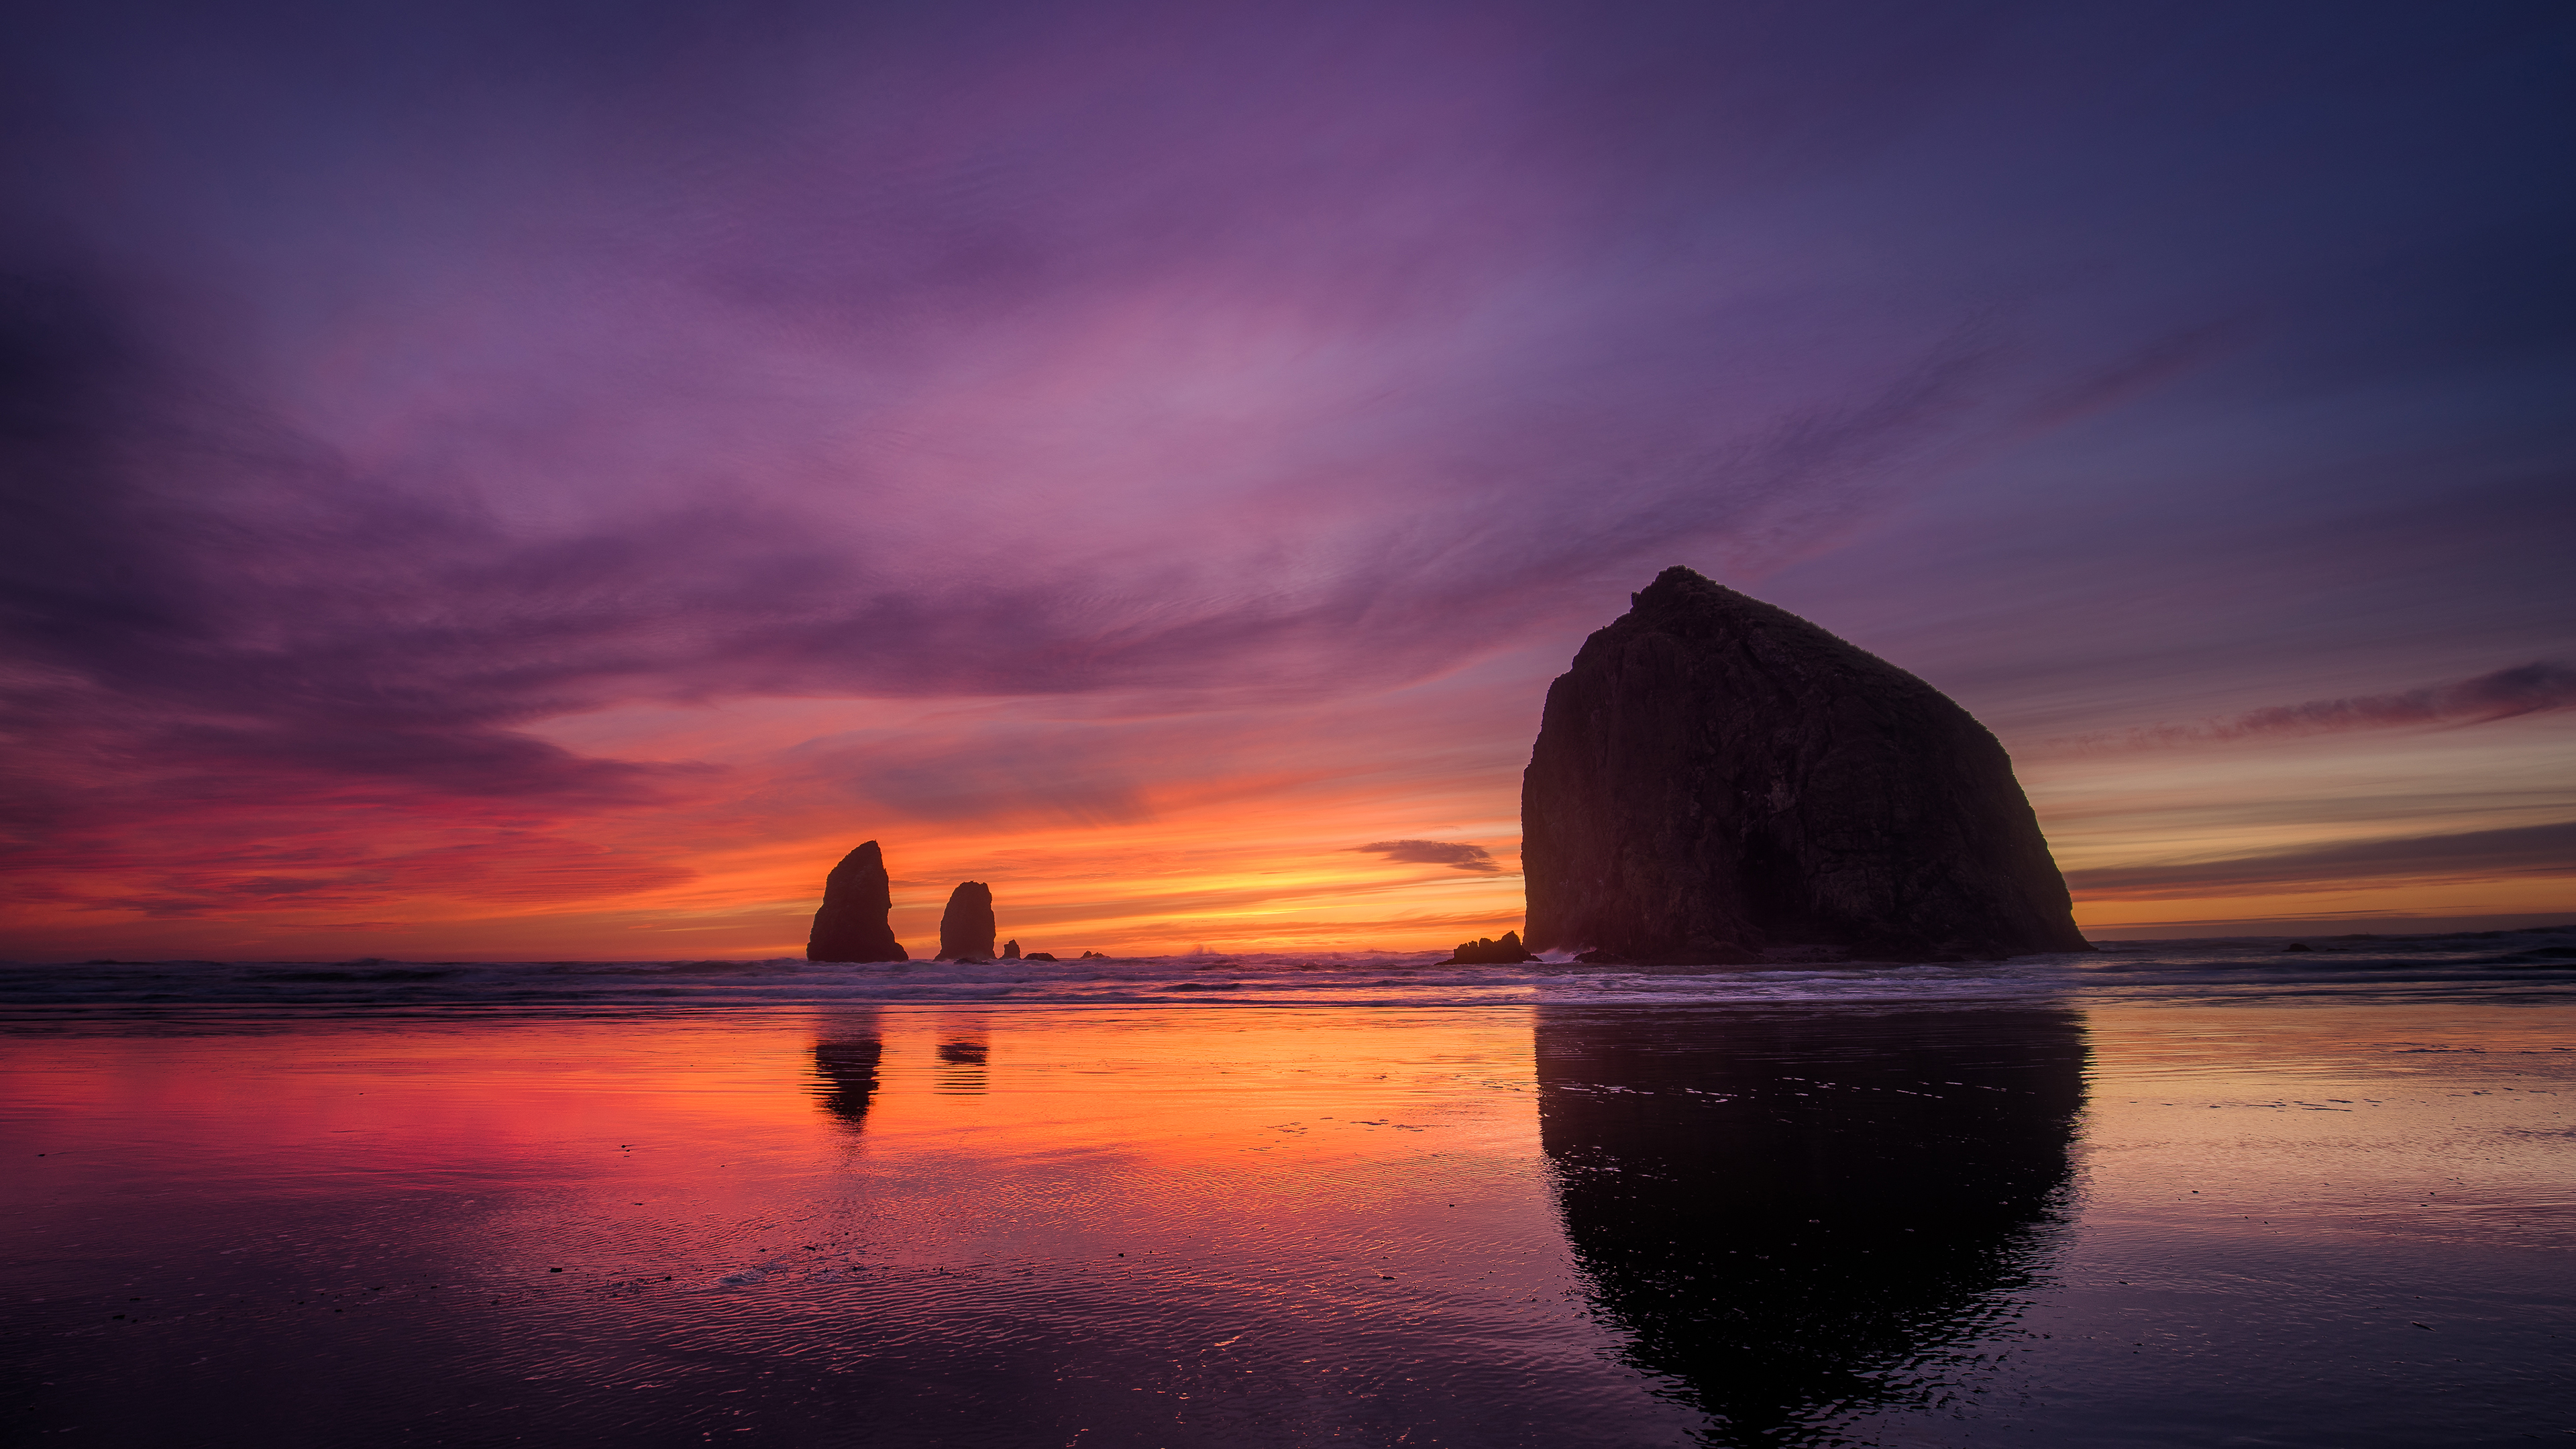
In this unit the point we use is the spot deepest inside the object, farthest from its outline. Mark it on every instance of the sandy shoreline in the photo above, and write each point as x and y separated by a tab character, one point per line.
1183	1224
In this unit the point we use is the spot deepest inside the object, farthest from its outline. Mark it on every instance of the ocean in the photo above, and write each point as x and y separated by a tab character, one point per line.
2173	1193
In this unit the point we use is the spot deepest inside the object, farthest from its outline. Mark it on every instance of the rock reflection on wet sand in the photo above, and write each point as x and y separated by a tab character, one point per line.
845	1071
1780	1209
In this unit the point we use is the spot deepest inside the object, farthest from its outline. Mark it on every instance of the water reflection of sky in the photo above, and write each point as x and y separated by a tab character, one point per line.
1482	1225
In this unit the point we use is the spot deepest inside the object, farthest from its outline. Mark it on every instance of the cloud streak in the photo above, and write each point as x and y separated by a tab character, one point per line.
2531	850
1453	854
2535	688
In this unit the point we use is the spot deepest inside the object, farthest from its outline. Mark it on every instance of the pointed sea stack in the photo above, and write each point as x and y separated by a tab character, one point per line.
851	926
1718	781
966	929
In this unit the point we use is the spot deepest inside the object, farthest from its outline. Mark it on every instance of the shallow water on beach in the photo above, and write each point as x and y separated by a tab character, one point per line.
2195	1194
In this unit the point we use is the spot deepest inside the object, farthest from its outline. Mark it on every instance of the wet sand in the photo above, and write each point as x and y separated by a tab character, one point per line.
2320	1222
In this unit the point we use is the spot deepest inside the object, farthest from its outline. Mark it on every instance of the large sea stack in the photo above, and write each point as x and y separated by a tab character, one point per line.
851	926
966	928
1718	781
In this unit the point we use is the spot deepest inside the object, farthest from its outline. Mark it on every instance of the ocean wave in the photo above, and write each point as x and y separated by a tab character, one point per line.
2536	961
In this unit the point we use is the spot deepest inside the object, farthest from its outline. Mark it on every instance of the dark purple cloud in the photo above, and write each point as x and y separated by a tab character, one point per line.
1453	854
2533	688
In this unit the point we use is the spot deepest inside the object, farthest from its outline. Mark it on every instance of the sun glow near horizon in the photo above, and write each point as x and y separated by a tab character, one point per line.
1251	840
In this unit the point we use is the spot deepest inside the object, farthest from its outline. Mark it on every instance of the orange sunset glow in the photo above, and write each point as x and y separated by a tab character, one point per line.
1137	833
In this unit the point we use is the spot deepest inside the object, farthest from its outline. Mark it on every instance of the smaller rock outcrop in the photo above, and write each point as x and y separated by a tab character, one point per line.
851	926
1095	955
966	928
1482	952
1010	950
1038	956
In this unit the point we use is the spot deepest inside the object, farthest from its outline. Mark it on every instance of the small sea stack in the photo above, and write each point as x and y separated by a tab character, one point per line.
1482	952
851	926
966	928
1718	781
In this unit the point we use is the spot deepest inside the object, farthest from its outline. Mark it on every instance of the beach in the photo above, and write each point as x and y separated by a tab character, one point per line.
2190	1193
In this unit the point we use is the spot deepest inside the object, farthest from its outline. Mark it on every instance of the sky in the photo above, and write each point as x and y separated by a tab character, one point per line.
545	479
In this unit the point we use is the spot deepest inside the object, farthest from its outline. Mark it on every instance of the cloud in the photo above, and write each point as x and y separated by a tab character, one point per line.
1453	854
190	870
2532	850
1270	359
2542	685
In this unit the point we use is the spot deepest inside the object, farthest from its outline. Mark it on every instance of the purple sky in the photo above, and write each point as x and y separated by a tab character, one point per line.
480	475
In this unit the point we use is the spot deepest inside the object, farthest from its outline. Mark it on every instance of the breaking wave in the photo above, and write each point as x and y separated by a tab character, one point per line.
2540	961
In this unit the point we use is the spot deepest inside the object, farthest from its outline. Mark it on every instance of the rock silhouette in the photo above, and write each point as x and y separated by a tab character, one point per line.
1010	950
846	1070
1482	952
1780	1212
966	928
851	926
1719	781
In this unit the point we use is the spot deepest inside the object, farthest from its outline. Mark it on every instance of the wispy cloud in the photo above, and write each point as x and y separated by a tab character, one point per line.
2532	850
1453	854
2543	684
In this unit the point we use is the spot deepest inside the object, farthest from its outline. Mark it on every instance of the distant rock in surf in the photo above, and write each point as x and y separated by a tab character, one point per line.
1039	956
1715	778
851	926
1481	952
1095	956
1010	950
966	928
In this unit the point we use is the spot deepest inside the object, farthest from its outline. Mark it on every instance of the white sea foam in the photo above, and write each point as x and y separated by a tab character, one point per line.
2541	961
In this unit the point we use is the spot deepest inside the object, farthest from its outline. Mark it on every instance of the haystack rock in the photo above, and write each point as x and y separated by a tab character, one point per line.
1718	781
851	926
966	929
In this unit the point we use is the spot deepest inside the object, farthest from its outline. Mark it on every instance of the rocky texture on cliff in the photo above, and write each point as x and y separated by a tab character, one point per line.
966	928
1482	952
1719	781
851	926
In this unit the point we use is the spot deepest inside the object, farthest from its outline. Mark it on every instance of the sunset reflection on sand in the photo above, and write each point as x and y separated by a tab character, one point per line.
1228	1225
